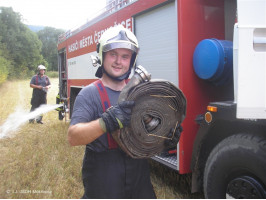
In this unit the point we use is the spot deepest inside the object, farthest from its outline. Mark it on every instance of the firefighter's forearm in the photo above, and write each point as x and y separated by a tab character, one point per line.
84	133
36	86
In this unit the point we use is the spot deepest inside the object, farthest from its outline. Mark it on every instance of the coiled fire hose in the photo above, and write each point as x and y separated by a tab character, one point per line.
159	107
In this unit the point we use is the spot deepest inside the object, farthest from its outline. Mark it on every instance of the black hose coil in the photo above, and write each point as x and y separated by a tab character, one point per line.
159	107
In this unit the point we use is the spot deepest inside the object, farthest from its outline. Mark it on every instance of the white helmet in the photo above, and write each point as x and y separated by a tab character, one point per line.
114	38
117	37
40	67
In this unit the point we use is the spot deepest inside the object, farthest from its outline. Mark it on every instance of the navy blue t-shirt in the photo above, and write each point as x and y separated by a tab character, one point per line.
43	81
88	107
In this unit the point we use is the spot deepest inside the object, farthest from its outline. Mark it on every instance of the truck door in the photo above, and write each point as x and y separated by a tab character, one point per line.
156	31
62	73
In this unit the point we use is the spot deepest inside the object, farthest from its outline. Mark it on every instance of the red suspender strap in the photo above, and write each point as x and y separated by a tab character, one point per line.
36	79
105	104
46	80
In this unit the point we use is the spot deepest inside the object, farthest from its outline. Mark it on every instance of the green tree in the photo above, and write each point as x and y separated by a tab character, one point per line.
49	37
4	64
22	44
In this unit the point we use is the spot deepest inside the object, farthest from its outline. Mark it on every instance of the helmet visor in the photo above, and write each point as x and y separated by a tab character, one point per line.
120	45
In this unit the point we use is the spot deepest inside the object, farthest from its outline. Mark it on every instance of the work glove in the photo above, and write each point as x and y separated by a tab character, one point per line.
117	117
173	137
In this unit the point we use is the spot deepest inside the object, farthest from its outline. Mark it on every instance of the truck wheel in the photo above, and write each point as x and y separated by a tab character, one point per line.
236	168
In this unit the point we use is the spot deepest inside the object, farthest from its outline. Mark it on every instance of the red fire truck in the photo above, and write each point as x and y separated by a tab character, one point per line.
215	52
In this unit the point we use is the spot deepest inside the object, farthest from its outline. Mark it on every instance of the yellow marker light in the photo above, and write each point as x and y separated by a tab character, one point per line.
208	117
212	108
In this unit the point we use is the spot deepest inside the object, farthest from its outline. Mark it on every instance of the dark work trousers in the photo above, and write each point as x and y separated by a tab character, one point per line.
39	97
114	175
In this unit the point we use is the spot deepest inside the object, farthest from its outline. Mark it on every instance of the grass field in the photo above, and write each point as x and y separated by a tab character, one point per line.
37	162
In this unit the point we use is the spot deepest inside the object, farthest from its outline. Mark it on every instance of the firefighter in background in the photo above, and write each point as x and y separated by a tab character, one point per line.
107	171
40	84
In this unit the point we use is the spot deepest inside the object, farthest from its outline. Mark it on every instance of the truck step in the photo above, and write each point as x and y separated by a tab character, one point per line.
169	161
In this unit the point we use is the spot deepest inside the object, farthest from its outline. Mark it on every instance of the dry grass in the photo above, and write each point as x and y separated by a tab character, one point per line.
37	161
168	184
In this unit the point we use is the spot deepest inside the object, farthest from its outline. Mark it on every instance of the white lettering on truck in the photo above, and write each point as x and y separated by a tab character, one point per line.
94	39
73	47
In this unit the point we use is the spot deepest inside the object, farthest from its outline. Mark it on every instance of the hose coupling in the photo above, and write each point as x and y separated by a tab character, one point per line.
143	73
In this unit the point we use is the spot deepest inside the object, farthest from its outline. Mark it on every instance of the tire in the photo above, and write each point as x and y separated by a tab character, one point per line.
236	168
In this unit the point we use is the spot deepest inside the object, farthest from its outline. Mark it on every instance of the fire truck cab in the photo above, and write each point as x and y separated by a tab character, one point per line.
215	52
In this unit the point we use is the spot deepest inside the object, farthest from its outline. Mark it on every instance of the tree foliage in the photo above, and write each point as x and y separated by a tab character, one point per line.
23	45
49	37
5	64
22	50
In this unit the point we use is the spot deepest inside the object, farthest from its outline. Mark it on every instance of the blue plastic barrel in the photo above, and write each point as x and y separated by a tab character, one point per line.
213	61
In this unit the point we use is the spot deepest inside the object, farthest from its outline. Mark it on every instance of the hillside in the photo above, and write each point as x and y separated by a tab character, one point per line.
35	28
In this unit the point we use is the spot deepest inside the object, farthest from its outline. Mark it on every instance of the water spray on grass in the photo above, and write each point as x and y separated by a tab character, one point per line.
20	117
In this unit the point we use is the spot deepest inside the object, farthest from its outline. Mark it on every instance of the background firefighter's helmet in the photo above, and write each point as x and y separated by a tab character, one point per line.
40	67
114	38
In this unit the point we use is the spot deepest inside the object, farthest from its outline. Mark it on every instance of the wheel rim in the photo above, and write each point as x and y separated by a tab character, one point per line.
246	187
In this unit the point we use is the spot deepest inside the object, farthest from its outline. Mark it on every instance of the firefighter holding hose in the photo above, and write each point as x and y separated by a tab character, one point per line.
107	171
40	84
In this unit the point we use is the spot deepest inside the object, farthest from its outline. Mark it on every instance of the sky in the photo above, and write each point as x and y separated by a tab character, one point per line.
61	14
